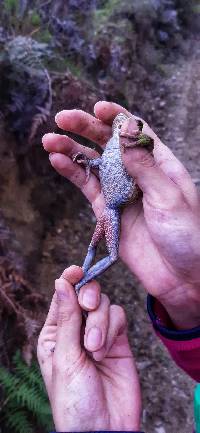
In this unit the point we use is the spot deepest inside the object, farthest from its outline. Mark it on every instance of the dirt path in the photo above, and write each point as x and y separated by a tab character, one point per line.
181	131
179	128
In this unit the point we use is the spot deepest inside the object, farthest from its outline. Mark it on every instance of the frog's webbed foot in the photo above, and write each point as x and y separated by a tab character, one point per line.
96	270
108	226
82	159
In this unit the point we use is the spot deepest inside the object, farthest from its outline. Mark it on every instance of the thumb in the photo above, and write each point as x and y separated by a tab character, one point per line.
68	347
157	187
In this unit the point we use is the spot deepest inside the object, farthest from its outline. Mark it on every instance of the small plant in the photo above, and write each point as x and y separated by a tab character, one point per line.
35	19
25	404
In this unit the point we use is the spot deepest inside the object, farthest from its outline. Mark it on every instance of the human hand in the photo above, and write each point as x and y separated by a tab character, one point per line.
91	381
160	235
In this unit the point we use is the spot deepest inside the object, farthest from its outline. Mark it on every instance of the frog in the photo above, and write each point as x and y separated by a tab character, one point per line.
118	187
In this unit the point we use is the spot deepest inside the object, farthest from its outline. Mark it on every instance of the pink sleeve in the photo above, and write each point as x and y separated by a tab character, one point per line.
183	346
186	354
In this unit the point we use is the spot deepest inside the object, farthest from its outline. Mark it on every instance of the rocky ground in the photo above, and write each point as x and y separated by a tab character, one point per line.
53	225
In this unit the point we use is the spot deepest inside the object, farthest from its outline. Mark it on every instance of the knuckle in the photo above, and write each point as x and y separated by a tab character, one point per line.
82	120
119	312
40	339
105	299
64	317
40	343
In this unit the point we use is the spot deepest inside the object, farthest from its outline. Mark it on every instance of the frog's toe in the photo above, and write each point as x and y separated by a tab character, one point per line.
78	157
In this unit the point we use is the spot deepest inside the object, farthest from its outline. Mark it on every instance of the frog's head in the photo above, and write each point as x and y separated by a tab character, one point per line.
118	122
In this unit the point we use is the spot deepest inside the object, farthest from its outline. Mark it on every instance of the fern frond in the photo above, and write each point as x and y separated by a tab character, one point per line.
8	381
25	397
45	421
31	399
31	375
17	419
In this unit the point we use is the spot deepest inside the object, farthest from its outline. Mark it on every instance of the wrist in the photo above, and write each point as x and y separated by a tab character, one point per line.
183	307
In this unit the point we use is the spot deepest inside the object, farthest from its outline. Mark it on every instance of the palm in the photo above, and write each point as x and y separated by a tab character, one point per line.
114	381
137	245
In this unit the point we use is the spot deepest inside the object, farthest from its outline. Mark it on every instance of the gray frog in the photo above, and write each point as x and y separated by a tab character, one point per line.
118	189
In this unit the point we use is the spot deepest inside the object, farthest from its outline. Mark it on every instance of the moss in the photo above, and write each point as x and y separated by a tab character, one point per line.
35	19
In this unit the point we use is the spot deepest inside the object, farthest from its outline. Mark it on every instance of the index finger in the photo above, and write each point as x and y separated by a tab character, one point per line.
107	111
84	124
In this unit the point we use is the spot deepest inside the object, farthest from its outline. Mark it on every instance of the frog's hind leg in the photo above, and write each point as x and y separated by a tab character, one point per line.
111	228
96	238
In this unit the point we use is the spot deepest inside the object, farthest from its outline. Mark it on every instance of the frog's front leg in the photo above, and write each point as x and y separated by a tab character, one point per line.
131	135
80	158
143	140
140	140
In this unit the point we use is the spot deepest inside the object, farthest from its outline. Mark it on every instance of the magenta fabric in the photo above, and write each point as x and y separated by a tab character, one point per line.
186	354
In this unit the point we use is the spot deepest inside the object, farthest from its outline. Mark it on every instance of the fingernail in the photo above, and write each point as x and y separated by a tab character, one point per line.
90	298
94	338
61	294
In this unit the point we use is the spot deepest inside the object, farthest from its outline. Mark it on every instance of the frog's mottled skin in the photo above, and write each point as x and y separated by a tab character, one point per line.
118	189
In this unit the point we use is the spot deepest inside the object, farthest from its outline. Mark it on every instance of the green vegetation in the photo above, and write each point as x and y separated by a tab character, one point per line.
103	15
114	11
19	22
196	7
11	5
25	404
44	36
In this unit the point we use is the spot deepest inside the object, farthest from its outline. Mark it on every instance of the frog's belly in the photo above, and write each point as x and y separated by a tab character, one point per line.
117	185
